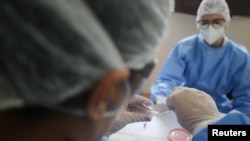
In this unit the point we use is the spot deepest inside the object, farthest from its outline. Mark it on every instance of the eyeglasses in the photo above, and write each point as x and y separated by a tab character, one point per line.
137	77
128	87
216	23
146	71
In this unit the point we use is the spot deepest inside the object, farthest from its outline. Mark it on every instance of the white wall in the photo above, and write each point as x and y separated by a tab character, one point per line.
183	25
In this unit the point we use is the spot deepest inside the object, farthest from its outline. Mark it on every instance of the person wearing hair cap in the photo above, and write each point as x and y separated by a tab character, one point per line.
209	61
68	67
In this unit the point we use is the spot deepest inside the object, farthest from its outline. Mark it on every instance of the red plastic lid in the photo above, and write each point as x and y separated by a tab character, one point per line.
179	134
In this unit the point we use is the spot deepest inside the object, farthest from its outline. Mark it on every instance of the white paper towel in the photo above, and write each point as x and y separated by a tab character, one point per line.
155	130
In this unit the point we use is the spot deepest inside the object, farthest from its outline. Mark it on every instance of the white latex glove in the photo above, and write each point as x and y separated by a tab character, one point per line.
139	104
194	108
137	110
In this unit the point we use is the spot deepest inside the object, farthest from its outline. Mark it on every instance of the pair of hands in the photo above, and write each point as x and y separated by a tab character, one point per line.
194	109
138	109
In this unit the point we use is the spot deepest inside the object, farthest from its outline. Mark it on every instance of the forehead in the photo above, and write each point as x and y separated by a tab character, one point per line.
211	17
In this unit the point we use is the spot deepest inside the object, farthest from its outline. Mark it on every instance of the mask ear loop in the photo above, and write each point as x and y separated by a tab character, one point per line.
81	112
127	97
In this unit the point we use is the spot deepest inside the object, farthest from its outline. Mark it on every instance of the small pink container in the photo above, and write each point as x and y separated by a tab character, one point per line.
179	134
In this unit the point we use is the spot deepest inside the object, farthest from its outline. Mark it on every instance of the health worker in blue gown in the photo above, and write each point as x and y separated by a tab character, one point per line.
209	61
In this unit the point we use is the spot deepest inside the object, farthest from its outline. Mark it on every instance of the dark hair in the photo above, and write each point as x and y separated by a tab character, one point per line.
32	114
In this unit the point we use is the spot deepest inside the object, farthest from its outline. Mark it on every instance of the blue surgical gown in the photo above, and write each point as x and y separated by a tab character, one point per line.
232	118
216	71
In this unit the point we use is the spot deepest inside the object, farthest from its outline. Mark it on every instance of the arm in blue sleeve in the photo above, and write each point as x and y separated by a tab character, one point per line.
232	118
170	76
241	89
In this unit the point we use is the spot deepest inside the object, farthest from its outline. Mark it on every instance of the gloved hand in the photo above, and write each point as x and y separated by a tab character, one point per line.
137	110
194	109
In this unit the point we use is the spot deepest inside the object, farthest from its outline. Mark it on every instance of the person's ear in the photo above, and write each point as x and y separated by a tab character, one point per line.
105	93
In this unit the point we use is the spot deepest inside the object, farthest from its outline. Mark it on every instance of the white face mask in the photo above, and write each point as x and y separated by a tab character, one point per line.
211	34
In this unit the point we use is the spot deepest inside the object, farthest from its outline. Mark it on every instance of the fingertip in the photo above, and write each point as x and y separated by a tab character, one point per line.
147	118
